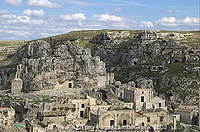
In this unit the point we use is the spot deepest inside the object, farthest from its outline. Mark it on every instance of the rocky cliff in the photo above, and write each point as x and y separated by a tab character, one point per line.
51	65
170	59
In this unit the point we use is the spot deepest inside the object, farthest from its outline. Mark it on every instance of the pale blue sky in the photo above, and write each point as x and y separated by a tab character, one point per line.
31	19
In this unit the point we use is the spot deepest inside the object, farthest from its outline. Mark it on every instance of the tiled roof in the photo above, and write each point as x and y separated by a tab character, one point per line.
139	115
184	110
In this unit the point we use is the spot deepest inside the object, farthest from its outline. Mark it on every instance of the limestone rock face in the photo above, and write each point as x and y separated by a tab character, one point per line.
147	35
170	59
153	35
109	36
47	66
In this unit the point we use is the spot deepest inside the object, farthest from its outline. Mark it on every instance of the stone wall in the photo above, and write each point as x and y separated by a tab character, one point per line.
6	116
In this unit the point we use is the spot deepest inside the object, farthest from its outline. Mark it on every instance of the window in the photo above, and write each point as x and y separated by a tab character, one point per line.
82	105
160	104
148	119
142	92
124	122
81	114
121	94
142	123
153	106
112	122
142	98
70	85
161	119
6	122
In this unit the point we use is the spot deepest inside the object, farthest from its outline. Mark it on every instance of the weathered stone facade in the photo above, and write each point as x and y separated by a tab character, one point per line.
6	116
141	94
17	83
123	118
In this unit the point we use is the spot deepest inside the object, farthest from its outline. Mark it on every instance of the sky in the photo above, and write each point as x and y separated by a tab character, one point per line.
33	19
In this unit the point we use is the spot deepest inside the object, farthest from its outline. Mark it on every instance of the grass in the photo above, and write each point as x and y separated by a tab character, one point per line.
84	34
179	70
84	44
12	43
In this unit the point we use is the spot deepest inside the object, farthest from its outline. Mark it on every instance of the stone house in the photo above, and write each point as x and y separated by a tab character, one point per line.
155	103
117	118
64	115
7	116
143	98
82	107
140	119
120	93
95	112
188	114
99	109
157	117
75	111
110	77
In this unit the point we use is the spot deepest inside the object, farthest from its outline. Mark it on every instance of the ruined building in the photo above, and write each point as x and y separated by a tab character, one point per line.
6	116
17	82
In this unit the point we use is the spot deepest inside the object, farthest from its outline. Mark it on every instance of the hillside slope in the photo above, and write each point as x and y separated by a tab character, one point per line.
169	58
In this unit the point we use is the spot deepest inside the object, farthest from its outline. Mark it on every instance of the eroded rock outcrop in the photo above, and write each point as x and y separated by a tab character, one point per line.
153	35
107	37
63	65
167	58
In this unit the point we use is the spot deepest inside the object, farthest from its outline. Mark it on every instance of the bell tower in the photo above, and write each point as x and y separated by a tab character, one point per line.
17	82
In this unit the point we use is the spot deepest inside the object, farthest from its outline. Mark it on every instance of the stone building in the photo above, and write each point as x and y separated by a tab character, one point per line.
155	103
110	77
17	82
117	118
7	116
157	117
71	111
143	98
82	107
188	114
